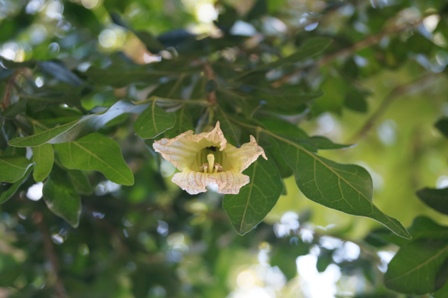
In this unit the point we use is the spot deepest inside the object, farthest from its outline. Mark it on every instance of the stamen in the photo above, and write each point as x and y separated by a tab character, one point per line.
211	162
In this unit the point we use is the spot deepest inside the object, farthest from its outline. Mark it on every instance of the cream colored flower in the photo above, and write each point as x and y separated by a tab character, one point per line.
207	158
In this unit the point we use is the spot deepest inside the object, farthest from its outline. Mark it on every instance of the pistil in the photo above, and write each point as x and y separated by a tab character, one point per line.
211	162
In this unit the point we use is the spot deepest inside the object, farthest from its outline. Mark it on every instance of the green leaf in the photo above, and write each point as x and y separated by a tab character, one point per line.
416	266
96	152
254	201
311	48
230	130
435	198
80	182
442	126
442	292
424	227
347	188
43	158
61	198
288	101
153	121
7	192
13	168
323	143
71	131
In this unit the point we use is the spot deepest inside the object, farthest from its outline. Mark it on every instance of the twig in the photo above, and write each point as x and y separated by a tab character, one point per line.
50	255
362	44
369	41
7	96
210	75
398	91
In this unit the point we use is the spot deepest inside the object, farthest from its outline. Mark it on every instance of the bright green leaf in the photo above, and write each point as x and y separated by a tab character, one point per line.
43	158
254	201
347	188
435	198
13	168
153	121
71	131
96	152
61	198
416	266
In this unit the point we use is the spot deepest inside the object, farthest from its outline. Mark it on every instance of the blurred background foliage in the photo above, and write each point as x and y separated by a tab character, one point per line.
384	87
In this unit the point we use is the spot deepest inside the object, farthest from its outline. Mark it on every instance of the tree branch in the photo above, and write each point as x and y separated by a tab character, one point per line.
410	87
210	75
362	44
51	256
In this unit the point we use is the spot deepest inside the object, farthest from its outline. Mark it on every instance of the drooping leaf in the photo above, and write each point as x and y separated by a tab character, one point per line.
254	201
13	168
347	188
416	266
435	198
153	121
73	130
7	191
61	198
96	152
43	158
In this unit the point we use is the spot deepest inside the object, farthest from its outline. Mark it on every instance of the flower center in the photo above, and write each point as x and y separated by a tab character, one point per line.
211	166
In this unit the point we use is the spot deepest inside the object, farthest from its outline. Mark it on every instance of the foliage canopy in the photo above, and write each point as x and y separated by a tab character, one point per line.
345	97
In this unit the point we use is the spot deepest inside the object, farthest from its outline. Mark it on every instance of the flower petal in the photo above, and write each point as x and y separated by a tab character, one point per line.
228	182
241	158
182	150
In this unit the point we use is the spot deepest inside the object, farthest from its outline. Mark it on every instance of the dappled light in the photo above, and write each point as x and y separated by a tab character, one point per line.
240	149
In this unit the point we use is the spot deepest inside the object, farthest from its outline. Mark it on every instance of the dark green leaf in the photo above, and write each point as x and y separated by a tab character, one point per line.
230	130
80	182
96	152
43	158
323	143
442	126
62	198
347	188
254	201
13	168
311	48
60	72
7	192
416	266
424	227
183	123
153	121
356	100
73	130
435	198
